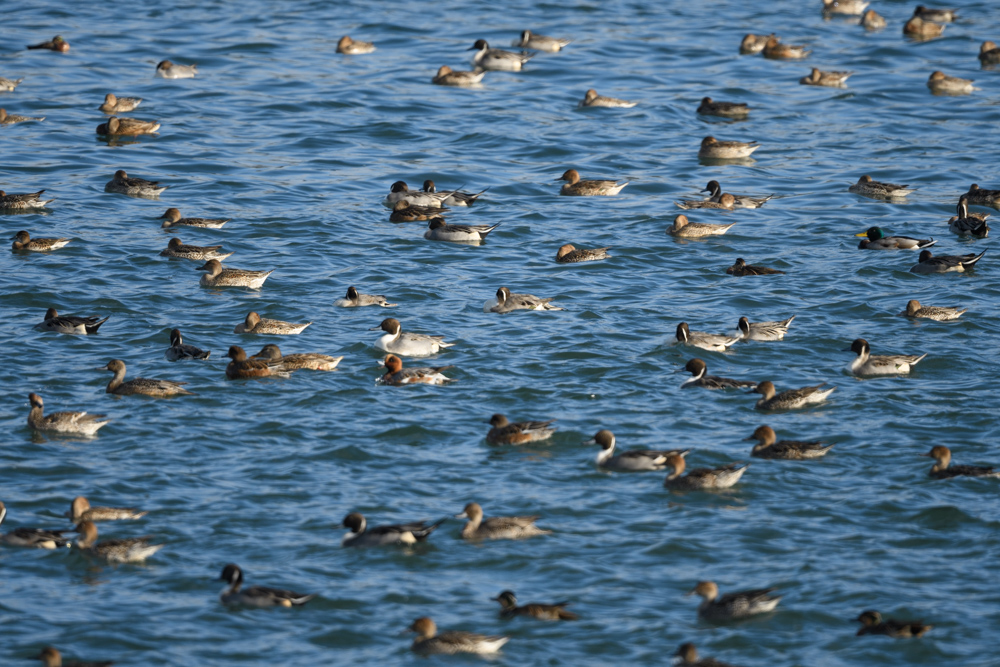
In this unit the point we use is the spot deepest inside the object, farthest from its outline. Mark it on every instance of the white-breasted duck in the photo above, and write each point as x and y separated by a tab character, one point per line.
555	611
399	191
8	85
732	606
173	218
309	361
503	432
710	107
752	44
439	230
77	423
361	535
70	324
132	186
23	201
765	331
873	624
498	59
126	550
354	47
928	263
570	254
574	187
455	197
255	324
866	364
407	344
395	375
848	7
769	447
34	538
741	268
178	350
630	460
701	479
684	228
938	313
140	386
942	468
867	187
23	241
446	76
790	399
115	104
530	40
877	240
356	299
713	149
168	70
592	99
507	301
217	275
700	378
177	248
700	339
429	642
943	84
257	596
80	510
497	527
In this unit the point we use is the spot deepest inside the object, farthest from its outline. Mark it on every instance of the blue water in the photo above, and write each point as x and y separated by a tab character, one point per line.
298	145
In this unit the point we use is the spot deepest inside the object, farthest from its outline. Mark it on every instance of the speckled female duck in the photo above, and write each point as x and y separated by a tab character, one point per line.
570	254
790	399
8	85
218	276
241	368
982	197
80	510
310	361
919	29
127	550
700	378
23	201
574	187
140	386
178	350
683	228
395	375
77	423
769	447
257	596
361	535
446	76
23	241
546	612
497	527
713	149
34	538
753	44
356	299
503	432
12	119
872	20
867	187
725	202
429	642
873	624
124	184
630	460
353	47
70	324
709	107
942	84
829	79
177	248
732	606
701	479
592	99
404	211
115	104
407	344
127	127
938	313
173	218
255	324
942	468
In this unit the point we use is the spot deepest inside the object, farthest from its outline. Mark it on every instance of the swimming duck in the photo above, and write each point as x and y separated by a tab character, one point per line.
497	59
218	276
966	224
127	127
570	254
715	194
351	47
241	368
455	198
446	76
829	79
706	341
257	596
702	478
115	104
733	605
23	200
592	99
508	301
23	241
989	54
79	423
10	119
944	263
519	433
80	510
724	109
172	218
714	149
439	230
177	248
51	657
169	70
310	361
529	40
768	446
752	44
255	324
872	20
741	268
939	313
943	469
763	330
775	50
725	202
877	240
133	187
57	43
691	230
397	376
698	370
9	85
687	654
361	535
630	460
936	15
140	386
876	190
70	324
790	399
849	7
919	29
983	197
178	350
127	550
939	82
407	344
399	191
497	527
36	538
403	211
872	624
574	187
428	641
356	299
546	612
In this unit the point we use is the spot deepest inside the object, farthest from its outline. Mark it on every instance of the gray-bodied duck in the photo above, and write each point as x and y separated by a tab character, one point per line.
769	447
942	468
8	85
498	59
126	550
166	69
418	199
733	606
546	612
790	399
967	224
178	350
713	149
407	344
683	335
217	275
630	460
70	324
429	642
439	230
876	239
938	313
455	197
497	527
848	7
77	423
23	201
173	218
356	299
936	15
928	263
404	211
23	241
530	40
982	197
710	107
866	364
177	248
700	378
34	538
507	302
80	510
699	479
257	596
57	43
361	535
140	386
395	375
715	194
764	331
574	187
989	53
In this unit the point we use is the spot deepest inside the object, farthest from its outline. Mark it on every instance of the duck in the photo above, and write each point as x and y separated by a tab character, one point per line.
775	50
699	378
872	20
172	218
255	324
168	70
849	7
404	211
241	368
939	82
965	224
546	612
9	85
361	535
11	119
504	432
982	197
942	468
70	324
989	54
178	350
877	240
51	657
715	194
122	183
127	127
115	104
733	606
80	510
708	107
310	361
497	527
455	197
753	44
790	399
702	478
497	59
508	301
140	386
768	446
920	29
574	187
706	341
257	596
396	375
570	254
351	47
356	299
867	187
683	228
439	230
687	654
35	538
766	331
592	99
23	241
872	624
429	642
177	248
725	202
127	550
77	423
939	313
57	43
630	460
529	40
446	76
936	15
407	344
399	191
829	79
928	263
218	276
23	201
712	148
741	268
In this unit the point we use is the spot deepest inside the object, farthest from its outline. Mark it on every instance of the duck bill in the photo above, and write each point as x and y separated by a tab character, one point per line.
376	328
865	233
463	515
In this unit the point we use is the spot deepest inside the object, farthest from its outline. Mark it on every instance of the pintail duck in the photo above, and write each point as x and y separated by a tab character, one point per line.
919	29
831	79
574	187
518	433
966	224
241	368
546	612
446	76
741	268
133	187
23	241
630	460
255	324
80	510
877	240
497	59
685	229
257	596
23	200
849	7
10	119
396	375
140	386
790	399
752	44
724	109
982	197
715	194
218	276
714	149
57	43
169	70
687	654
941	83
872	20
428	641
768	446
775	50
114	104
943	469
702	478
508	301
570	254
178	350
763	330
876	190
351	47
529	40
989	54
177	248
725	202
706	341
172	218
867	364
939	313
70	324
309	361
592	99
700	378
872	624
944	263
404	211
733	605
936	15
127	550
497	527
399	191
356	299
36	538
377	536
80	423
9	85
51	657
455	197
127	127
407	344
439	230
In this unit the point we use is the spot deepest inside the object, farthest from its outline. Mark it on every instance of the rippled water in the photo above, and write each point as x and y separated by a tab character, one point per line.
298	145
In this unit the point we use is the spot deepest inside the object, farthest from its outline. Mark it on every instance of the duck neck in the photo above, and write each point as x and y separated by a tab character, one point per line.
116	381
